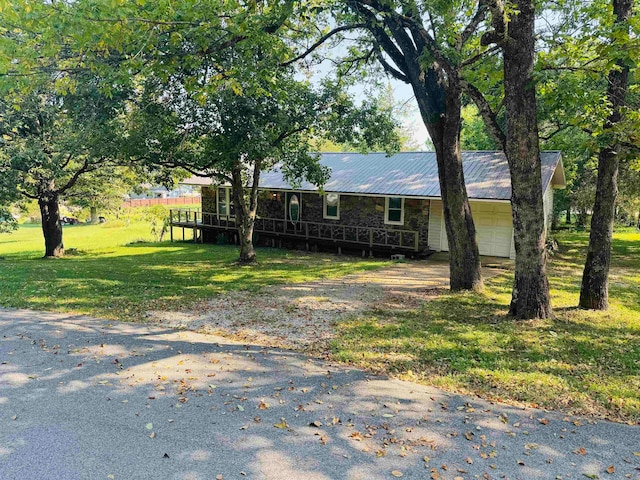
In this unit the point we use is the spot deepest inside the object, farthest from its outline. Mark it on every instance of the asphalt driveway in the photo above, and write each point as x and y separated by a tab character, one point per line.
82	398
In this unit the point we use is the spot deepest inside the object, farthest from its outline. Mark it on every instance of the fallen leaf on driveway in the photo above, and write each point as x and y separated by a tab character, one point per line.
580	451
396	473
611	469
282	424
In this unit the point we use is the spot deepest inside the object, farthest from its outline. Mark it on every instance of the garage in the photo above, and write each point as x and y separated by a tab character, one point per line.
493	228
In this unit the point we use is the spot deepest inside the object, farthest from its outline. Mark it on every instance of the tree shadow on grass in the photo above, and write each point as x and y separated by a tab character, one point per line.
467	341
165	275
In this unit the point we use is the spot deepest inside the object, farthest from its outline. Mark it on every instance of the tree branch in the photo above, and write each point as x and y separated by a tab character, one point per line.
488	115
28	195
392	71
74	178
472	26
321	40
478	56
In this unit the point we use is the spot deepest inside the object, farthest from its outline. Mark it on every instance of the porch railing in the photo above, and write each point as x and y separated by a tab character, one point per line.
355	234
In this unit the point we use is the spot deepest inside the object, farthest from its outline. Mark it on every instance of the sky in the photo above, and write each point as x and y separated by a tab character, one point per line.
402	94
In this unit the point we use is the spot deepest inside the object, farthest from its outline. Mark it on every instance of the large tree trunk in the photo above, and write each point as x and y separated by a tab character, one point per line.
51	226
530	296
94	214
594	293
437	93
245	211
464	257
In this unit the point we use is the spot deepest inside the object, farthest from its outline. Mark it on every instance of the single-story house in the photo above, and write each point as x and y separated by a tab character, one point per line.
375	202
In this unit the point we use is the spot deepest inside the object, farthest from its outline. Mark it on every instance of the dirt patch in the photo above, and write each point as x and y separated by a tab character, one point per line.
304	315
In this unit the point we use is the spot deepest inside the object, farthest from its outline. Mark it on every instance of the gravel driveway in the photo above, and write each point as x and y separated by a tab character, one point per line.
303	315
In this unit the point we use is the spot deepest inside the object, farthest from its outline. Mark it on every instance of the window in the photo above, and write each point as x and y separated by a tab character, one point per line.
394	211
223	200
332	206
294	207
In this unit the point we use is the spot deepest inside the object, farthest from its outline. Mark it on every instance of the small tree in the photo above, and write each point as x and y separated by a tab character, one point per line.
158	218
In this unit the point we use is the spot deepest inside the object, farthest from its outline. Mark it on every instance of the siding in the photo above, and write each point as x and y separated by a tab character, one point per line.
547	203
436	225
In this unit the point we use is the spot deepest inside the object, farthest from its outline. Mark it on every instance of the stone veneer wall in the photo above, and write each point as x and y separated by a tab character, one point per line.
355	210
271	204
209	199
365	211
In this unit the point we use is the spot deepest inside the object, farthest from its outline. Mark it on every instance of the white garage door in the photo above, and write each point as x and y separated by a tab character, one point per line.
493	228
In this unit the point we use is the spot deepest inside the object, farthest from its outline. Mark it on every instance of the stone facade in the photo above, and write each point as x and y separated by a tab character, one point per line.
209	199
355	211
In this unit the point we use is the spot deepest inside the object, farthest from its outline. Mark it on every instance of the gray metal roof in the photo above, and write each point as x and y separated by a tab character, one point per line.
409	174
412	174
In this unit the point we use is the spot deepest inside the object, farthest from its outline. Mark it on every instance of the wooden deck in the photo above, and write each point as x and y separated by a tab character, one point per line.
372	238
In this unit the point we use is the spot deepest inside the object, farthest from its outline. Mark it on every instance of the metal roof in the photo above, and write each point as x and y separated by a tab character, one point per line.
414	174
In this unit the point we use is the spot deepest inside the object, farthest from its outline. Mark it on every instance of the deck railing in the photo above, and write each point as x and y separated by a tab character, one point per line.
355	234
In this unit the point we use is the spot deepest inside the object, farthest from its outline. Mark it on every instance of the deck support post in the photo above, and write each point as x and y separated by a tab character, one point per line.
339	250
171	232
183	234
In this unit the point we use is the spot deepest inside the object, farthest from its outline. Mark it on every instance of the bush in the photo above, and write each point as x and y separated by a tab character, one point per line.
158	216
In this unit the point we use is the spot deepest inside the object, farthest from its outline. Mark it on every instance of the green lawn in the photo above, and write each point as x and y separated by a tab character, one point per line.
578	361
112	270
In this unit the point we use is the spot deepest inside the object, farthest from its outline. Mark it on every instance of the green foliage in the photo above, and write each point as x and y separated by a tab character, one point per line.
474	134
581	47
7	222
48	141
104	189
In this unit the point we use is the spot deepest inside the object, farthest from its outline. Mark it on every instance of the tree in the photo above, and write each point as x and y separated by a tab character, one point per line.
590	90
7	196
530	297
103	189
50	141
473	134
594	293
233	136
428	45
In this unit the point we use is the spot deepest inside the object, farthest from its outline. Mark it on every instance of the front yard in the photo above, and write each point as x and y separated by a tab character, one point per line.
114	271
578	361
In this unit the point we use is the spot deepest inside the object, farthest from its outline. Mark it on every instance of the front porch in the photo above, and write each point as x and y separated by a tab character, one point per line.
278	232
